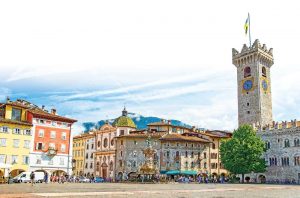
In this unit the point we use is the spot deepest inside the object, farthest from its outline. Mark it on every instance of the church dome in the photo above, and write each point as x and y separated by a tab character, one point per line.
124	121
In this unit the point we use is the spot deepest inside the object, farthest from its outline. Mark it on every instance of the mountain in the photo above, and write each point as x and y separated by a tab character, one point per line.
139	120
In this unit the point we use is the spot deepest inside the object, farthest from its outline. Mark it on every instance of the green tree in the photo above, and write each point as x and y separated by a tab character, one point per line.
242	153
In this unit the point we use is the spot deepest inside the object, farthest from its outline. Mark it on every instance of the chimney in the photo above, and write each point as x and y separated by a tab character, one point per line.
43	107
53	111
169	122
162	121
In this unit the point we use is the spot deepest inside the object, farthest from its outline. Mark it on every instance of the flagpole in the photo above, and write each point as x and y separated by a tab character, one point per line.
249	30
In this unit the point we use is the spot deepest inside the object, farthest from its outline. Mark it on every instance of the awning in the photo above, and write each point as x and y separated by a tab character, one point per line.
187	172
163	171
173	172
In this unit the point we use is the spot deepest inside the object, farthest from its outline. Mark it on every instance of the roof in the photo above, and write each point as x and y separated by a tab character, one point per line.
143	135
9	121
180	137
124	121
218	134
167	124
40	113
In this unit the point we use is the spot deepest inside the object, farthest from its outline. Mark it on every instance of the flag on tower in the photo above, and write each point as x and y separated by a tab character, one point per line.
246	26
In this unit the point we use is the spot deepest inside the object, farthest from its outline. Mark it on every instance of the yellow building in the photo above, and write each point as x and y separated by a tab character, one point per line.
78	155
15	139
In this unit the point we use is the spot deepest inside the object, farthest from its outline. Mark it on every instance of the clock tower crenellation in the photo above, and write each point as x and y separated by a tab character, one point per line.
254	84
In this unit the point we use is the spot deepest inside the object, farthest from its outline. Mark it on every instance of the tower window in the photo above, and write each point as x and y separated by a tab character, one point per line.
248	104
248	112
247	72
264	72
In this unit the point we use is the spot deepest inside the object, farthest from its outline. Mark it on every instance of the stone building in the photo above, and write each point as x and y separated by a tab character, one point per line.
179	150
183	154
105	154
130	157
255	108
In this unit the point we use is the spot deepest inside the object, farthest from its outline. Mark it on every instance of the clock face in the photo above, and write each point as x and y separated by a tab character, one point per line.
264	85
248	85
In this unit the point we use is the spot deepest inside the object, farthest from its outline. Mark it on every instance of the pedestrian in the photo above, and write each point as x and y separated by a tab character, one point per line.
32	177
46	178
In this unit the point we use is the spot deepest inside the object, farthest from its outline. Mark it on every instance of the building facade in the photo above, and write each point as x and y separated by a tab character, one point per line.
255	108
78	155
15	139
51	150
90	149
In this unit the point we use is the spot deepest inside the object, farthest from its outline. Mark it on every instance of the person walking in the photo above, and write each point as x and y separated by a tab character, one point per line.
46	178
32	177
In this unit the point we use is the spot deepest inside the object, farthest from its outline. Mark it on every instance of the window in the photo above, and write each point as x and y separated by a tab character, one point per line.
64	136
121	142
247	72
264	72
52	134
92	155
27	144
285	161
192	165
273	161
25	159
121	153
86	156
17	131
297	160
87	146
4	129
186	164
192	155
92	146
27	132
248	104
16	114
296	142
248	112
268	145
2	141
91	165
135	142
213	146
286	143
2	159
186	154
99	143
205	165
61	161
112	142
16	143
14	159
54	123
168	154
214	165
177	153
105	142
41	133
39	146
63	148
38	160
122	132
42	121
214	155
204	155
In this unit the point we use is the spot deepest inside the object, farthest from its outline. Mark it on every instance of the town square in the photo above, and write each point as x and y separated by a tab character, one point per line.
149	99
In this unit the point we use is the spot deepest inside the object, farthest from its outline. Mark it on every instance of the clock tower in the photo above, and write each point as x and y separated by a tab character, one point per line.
254	84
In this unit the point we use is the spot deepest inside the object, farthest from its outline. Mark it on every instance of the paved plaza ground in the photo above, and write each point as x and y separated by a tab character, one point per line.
118	190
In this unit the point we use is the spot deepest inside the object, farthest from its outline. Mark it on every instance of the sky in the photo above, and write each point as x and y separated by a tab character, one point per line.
164	58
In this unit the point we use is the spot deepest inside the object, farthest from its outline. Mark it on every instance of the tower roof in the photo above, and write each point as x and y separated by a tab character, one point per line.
124	120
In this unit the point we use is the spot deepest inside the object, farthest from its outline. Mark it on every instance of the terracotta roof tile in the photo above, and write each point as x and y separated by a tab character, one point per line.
8	121
180	137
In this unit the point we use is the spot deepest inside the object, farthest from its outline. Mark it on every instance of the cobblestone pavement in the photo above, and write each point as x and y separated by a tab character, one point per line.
175	190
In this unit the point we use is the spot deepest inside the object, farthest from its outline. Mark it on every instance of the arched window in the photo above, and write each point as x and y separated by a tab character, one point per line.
105	142
186	164
112	142
285	161
213	146
264	72
177	153
192	154
286	143
99	143
98	166
247	72
268	145
205	165
296	142
86	156
186	154
192	165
